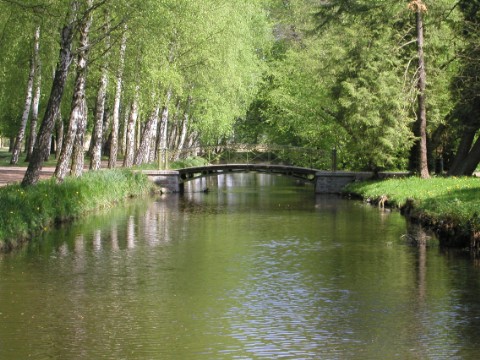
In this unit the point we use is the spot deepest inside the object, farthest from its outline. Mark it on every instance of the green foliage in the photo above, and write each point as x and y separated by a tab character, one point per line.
189	162
324	74
18	22
204	49
26	211
465	84
343	74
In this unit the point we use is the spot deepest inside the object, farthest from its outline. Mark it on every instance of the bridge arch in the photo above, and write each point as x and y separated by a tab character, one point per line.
192	173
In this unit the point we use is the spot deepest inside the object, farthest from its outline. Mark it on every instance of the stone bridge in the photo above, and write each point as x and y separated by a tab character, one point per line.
325	182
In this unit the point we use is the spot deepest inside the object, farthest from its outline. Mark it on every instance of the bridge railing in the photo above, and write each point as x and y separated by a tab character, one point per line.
253	154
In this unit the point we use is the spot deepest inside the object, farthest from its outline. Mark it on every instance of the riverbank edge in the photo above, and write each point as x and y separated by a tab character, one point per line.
451	233
27	212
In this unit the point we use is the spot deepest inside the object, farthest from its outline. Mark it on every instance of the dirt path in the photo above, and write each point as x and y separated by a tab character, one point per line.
9	174
12	174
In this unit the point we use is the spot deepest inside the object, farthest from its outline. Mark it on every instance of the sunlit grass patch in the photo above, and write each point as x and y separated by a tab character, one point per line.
456	199
6	157
26	211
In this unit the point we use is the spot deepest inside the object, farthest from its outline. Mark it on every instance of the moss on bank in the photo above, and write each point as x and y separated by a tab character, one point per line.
27	211
449	206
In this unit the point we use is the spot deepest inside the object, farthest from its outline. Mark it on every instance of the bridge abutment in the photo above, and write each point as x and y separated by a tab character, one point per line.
167	180
327	182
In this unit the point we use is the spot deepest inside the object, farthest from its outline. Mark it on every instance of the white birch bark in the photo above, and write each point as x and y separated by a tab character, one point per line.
28	101
150	155
36	98
59	136
162	144
112	161
130	133
123	130
185	120
97	135
78	159
77	120
146	139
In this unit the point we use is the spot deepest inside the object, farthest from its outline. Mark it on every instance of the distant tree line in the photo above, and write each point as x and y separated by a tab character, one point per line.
131	76
389	84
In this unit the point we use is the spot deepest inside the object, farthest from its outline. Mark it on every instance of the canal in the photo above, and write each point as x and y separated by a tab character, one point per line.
258	267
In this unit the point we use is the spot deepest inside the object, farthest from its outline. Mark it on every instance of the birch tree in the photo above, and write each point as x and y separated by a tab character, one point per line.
97	134
41	148
112	161
35	105
77	121
28	98
130	132
146	140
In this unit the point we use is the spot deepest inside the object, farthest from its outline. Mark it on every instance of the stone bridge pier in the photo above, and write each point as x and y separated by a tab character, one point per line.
332	182
167	180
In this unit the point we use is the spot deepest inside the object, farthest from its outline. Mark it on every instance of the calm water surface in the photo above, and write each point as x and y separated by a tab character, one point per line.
258	268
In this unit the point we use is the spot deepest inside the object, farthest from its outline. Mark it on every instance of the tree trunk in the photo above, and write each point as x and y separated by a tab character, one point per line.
163	136
112	161
41	148
183	135
422	81
28	100
59	136
138	133
130	134
78	159
36	99
174	129
151	154
146	139
471	161
107	120
466	141
76	126
97	134
123	131
172	139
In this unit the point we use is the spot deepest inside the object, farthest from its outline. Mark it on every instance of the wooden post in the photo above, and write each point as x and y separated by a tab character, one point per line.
334	159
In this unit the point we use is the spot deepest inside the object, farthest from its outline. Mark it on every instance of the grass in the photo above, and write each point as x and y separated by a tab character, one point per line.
6	156
444	203
27	211
457	198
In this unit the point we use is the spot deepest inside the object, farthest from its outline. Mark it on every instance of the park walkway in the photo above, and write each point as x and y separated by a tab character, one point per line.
12	174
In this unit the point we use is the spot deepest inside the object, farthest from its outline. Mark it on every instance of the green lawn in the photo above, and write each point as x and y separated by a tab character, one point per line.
454	199
5	158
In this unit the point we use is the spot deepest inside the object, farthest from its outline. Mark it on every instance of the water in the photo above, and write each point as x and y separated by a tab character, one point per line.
258	268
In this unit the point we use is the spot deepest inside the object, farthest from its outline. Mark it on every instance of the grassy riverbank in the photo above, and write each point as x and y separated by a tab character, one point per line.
450	206
27	211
